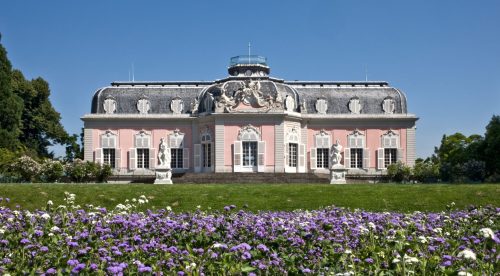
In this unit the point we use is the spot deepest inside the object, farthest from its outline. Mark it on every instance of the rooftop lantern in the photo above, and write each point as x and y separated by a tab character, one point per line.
248	66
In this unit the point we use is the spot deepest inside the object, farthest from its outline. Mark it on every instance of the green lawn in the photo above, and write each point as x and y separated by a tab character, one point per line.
185	197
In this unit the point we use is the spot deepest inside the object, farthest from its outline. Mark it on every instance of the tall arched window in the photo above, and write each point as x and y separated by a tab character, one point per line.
142	155
320	155
356	155
390	152
179	153
294	152
204	152
108	153
249	151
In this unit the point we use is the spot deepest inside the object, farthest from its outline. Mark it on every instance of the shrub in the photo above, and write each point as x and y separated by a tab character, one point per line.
86	171
426	172
51	171
399	172
26	168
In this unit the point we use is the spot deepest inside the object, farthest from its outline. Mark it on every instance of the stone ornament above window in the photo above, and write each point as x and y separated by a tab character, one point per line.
293	135
321	105
109	105
177	105
176	139
289	103
143	106
388	105
355	105
249	133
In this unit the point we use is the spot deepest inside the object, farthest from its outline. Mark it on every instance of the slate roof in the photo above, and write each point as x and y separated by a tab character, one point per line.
338	94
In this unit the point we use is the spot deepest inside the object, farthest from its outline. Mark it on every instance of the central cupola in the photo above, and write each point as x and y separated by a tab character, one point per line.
248	66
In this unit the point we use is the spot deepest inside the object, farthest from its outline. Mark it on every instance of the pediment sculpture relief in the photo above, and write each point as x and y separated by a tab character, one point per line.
249	94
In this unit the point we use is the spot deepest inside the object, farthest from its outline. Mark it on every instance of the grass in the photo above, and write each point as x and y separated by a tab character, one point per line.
186	197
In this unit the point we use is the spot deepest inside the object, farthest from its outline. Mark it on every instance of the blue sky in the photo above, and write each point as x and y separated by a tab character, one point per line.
445	55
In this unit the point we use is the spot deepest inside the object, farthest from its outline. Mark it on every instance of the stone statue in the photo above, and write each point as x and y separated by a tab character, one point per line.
336	153
164	154
194	106
209	102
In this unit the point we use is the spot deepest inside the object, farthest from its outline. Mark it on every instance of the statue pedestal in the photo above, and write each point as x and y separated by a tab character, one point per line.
163	175
337	174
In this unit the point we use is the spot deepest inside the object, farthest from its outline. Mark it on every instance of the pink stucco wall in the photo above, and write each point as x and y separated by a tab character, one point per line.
126	139
373	139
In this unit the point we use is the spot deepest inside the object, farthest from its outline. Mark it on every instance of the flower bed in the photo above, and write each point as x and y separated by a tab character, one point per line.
332	241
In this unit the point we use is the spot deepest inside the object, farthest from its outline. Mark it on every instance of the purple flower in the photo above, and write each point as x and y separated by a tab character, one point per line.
73	262
262	248
369	260
51	271
25	241
145	269
246	256
93	266
78	268
44	249
306	271
446	263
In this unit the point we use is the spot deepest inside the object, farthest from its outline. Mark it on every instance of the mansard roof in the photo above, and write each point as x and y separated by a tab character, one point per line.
249	78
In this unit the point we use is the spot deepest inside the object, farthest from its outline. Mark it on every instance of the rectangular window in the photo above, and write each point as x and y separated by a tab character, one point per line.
176	161
292	151
143	158
357	158
109	157
249	154
206	155
322	158
390	156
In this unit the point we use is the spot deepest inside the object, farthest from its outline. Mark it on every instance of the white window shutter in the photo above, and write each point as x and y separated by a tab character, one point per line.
313	157
173	142
185	157
212	156
366	158
287	155
347	157
104	141
380	159
197	157
132	159
261	164
98	156
302	158
112	142
237	151
400	155
152	159
118	158
327	142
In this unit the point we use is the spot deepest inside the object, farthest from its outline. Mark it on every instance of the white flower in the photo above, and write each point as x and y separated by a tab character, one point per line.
422	239
169	208
198	207
50	234
487	233
45	216
141	201
372	225
464	273
217	245
362	229
410	260
467	254
348	251
54	229
396	260
50	203
437	230
2	230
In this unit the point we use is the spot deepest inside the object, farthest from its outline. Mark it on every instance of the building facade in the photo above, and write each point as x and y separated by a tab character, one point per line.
249	122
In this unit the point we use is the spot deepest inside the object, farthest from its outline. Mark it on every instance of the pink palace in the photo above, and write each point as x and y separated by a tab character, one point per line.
249	122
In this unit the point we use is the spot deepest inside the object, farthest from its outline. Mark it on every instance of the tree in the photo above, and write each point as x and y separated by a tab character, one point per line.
460	158
399	172
426	171
73	149
11	106
41	126
491	149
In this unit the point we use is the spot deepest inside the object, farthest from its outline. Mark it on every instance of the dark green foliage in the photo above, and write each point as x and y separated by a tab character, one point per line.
491	149
41	126
73	149
11	106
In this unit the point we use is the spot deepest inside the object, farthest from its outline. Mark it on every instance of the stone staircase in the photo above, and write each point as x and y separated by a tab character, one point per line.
267	178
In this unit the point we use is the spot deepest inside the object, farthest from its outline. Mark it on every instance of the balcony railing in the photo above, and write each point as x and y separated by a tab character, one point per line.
246	59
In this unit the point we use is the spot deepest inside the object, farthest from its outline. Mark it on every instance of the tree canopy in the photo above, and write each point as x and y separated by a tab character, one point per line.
28	121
